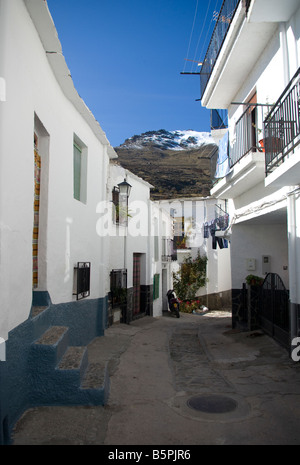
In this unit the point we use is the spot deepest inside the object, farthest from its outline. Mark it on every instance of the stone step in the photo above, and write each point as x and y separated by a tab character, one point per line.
62	374
94	377
49	348
52	336
37	310
75	358
96	384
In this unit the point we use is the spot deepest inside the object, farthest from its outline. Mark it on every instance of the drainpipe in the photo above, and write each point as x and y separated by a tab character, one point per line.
4	409
293	266
3	55
104	240
149	244
4	25
285	53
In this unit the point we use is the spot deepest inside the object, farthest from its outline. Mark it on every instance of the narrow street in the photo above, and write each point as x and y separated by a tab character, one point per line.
187	381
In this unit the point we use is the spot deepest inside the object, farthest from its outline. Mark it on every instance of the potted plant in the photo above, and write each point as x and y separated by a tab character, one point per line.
253	280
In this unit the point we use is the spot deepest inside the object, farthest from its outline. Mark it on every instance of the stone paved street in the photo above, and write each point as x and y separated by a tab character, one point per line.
161	369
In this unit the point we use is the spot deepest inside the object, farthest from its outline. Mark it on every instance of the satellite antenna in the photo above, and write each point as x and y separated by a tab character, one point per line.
199	64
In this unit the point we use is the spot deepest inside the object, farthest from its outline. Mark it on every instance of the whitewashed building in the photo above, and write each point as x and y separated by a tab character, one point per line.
57	253
251	69
136	247
199	226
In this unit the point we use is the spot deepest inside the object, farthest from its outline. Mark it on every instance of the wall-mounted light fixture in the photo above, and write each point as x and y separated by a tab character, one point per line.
124	188
124	192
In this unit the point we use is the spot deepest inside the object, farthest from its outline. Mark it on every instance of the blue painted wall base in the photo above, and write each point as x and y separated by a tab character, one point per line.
27	378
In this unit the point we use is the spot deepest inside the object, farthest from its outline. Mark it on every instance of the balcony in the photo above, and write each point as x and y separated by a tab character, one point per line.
218	119
264	11
243	165
248	136
282	136
169	253
226	14
272	155
238	40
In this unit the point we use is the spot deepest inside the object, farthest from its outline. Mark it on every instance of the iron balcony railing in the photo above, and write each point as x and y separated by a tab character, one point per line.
282	126
248	133
169	253
248	3
218	119
224	20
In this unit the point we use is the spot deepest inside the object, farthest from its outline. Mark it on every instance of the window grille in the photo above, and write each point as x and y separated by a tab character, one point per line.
82	280
118	287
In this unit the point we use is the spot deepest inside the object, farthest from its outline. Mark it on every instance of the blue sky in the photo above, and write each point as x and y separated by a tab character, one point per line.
126	56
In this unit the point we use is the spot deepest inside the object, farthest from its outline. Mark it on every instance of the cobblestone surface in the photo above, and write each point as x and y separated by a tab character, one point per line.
157	366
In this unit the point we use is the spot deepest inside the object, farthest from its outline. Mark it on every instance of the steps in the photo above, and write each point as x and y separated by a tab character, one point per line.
61	374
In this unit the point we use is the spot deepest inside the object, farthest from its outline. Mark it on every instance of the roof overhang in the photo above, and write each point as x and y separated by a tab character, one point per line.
243	45
44	24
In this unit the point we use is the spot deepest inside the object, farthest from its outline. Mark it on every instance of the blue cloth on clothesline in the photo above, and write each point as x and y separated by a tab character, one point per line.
223	168
219	224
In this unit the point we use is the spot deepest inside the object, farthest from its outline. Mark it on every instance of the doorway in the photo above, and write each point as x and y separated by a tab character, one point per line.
136	301
164	290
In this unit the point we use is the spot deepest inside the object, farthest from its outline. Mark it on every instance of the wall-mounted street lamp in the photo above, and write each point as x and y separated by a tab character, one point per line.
124	192
124	188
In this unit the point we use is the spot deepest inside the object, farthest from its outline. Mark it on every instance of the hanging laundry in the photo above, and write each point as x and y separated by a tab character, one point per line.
218	224
223	168
206	231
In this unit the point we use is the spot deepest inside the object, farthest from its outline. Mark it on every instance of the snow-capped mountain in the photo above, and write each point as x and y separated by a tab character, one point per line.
169	140
176	163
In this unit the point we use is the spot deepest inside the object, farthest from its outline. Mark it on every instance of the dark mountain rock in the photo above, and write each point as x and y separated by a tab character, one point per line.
176	163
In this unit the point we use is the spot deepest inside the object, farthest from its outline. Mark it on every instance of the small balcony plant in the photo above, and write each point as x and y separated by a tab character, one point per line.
253	280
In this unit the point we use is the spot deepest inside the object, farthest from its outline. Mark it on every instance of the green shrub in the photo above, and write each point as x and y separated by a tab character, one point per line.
190	277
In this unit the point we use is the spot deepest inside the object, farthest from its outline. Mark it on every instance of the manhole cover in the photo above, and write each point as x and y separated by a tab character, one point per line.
212	404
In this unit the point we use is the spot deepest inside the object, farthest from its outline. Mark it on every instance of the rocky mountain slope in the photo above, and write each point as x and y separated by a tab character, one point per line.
176	163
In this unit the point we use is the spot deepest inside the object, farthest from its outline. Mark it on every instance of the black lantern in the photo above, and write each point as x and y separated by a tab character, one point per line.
124	188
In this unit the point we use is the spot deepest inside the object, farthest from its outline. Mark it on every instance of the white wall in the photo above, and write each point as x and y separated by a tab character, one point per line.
125	241
147	224
254	241
34	100
273	71
196	212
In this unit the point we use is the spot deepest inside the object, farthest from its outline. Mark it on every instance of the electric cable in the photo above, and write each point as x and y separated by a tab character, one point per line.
204	22
208	30
192	31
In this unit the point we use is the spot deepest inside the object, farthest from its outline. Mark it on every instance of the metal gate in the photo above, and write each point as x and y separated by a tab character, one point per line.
274	312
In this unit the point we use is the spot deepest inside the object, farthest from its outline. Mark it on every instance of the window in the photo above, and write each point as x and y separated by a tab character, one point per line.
179	237
116	203
120	210
79	170
81	286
